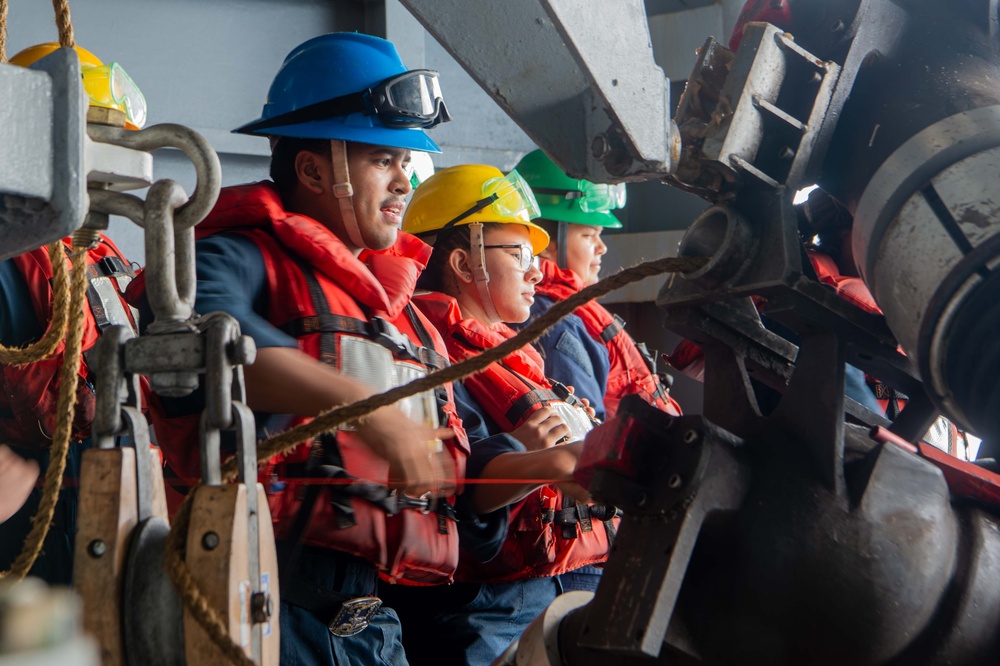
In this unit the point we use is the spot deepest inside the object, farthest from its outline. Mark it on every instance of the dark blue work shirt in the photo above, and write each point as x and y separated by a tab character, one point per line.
18	324
481	536
573	357
232	278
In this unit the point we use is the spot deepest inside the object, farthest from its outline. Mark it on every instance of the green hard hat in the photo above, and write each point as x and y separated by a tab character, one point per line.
564	199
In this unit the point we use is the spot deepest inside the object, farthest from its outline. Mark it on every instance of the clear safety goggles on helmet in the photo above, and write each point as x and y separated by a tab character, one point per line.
509	196
525	257
597	198
411	99
111	87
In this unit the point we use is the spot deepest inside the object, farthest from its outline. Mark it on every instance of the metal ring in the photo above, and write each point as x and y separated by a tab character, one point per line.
426	499
192	144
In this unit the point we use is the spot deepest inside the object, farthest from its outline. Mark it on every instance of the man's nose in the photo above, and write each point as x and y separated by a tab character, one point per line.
401	182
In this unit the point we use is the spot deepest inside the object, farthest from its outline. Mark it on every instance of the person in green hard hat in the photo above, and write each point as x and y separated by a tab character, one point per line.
590	349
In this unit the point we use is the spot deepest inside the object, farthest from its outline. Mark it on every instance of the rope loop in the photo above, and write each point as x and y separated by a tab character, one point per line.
47	345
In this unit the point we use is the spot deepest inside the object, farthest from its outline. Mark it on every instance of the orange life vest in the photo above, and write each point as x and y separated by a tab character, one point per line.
333	302
549	534
854	290
30	393
629	372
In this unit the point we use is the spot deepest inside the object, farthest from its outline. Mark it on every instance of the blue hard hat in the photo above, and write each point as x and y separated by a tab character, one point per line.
334	67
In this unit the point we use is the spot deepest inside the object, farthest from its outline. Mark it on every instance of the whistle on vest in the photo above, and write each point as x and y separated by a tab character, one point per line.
563	393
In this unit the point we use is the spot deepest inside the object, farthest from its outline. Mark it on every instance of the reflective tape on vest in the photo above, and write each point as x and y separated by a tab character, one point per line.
108	309
373	364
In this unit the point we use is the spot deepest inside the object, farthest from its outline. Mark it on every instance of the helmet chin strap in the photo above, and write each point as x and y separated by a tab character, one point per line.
561	235
343	191
482	278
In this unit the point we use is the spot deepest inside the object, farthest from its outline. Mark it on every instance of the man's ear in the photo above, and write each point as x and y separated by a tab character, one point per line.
458	261
308	171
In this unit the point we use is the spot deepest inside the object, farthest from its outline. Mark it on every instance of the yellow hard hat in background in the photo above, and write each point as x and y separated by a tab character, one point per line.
473	193
107	86
33	54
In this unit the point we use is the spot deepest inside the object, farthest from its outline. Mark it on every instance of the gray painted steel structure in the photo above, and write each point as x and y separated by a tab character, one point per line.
207	65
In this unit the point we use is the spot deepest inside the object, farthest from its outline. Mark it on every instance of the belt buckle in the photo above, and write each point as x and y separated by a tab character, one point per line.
354	616
424	504
387	335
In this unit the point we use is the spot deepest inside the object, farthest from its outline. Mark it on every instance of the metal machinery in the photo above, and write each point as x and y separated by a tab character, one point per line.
61	174
794	535
816	532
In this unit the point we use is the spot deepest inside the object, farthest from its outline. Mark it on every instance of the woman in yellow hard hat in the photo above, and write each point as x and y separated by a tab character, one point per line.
522	428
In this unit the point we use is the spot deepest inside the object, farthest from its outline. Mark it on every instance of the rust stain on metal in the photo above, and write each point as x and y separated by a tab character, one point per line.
971	215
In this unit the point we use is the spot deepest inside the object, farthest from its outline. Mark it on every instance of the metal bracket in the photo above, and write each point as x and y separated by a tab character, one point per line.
42	195
558	76
684	474
758	113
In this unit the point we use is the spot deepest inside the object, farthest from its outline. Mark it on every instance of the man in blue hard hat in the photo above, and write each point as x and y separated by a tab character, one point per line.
314	267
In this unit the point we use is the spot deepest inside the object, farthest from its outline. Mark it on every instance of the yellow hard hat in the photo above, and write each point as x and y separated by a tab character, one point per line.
473	193
33	54
107	86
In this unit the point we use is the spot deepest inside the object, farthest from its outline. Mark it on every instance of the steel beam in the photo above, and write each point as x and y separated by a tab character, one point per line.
582	84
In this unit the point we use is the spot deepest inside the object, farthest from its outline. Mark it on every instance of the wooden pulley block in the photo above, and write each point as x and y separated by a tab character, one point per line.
218	541
109	513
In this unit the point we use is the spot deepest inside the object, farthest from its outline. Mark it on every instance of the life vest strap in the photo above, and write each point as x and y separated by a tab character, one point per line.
613	329
527	401
328	324
573	514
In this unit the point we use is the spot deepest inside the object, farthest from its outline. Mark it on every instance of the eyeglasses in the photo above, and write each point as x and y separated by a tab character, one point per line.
411	99
597	198
509	196
111	87
525	257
